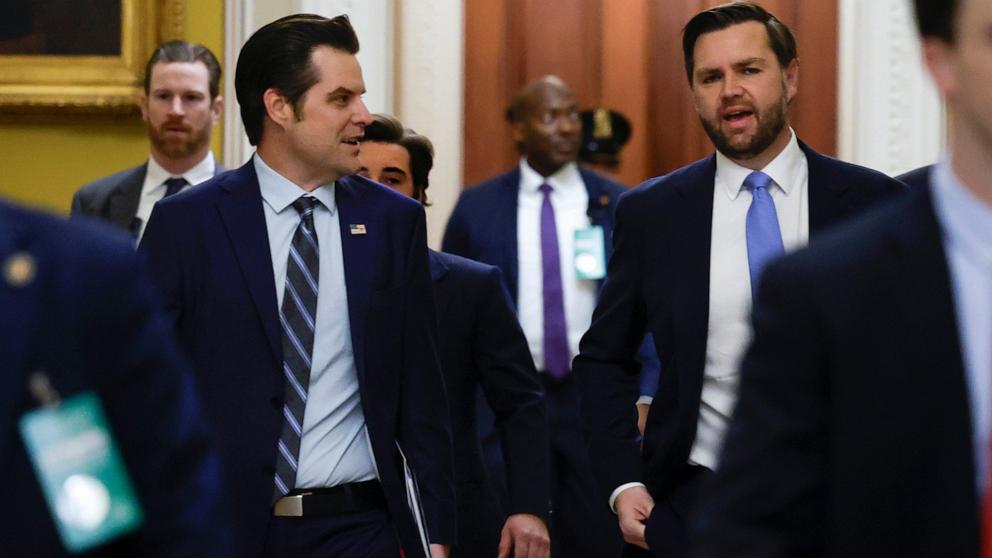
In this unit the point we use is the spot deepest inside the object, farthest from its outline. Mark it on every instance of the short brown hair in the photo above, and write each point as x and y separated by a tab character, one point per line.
277	57
726	15
181	51
388	129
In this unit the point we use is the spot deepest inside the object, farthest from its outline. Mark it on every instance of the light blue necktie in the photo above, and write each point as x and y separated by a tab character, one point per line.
764	238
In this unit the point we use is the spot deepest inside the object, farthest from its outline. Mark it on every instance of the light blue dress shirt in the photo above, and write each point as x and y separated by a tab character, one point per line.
966	222
335	447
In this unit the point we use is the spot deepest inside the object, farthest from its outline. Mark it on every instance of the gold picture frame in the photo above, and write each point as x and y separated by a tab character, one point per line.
47	84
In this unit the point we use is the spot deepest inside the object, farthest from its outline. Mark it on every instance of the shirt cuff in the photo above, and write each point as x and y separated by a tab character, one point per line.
621	488
645	400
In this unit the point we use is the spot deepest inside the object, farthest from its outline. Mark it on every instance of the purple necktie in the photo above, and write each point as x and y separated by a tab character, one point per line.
555	332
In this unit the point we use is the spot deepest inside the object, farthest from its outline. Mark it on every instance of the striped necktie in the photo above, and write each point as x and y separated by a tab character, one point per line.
298	317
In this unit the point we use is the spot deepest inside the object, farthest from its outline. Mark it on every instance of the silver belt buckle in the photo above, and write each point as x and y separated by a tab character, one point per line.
289	506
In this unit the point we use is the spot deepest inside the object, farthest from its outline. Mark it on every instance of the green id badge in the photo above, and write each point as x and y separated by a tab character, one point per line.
81	472
590	253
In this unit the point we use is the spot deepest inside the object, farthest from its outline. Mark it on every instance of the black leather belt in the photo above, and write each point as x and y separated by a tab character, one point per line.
352	497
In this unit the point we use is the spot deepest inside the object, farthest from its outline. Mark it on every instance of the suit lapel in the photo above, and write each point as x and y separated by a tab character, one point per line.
123	203
20	305
505	214
358	251
243	217
826	191
689	241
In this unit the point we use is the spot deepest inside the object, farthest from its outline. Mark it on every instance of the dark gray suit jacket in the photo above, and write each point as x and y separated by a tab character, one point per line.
115	198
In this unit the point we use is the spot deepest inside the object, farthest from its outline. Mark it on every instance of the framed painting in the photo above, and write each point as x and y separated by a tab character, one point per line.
59	56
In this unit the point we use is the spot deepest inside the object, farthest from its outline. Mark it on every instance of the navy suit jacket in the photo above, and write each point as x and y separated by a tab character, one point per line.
852	435
90	320
115	198
916	178
209	250
481	344
658	281
483	227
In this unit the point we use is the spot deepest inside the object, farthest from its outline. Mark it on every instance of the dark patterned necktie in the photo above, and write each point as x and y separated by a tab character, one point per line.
555	330
173	185
298	317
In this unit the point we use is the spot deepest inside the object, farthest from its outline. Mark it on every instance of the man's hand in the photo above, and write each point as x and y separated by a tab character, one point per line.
634	506
526	535
642	416
439	550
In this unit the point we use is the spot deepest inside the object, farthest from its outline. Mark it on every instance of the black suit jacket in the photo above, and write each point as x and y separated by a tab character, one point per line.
658	281
481	344
209	251
115	198
89	319
852	435
916	178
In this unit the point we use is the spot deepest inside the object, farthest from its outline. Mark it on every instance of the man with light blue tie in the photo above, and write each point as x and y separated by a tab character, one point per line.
862	427
689	250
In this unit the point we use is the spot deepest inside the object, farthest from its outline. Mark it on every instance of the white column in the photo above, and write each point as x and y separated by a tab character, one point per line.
430	94
891	117
239	17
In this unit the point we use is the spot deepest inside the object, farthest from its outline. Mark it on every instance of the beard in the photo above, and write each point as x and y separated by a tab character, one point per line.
178	147
770	125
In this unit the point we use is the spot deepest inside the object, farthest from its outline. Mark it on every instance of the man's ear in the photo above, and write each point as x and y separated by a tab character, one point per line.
939	59
277	108
143	105
217	109
792	79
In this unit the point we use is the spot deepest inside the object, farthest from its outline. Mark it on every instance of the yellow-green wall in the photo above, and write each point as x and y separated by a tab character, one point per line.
44	160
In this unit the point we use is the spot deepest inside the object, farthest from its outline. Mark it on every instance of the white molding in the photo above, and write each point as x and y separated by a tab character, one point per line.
889	117
238	26
430	94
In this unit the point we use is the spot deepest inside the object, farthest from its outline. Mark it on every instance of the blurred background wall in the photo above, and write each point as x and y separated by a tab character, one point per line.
447	68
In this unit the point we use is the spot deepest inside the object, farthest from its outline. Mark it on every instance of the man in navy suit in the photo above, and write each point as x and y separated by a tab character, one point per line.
689	248
79	311
863	422
481	346
180	107
304	299
526	222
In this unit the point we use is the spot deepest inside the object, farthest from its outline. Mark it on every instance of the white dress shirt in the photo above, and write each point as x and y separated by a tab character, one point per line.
334	448
729	329
966	223
153	189
570	200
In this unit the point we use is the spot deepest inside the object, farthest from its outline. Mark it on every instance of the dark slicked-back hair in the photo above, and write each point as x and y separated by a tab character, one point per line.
277	57
935	18
181	51
726	15
388	129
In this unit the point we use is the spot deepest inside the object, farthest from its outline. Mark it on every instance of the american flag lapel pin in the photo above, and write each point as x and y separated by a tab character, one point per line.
357	229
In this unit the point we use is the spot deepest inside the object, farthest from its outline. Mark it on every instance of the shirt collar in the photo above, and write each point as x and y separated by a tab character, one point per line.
785	169
201	172
965	219
565	177
279	192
